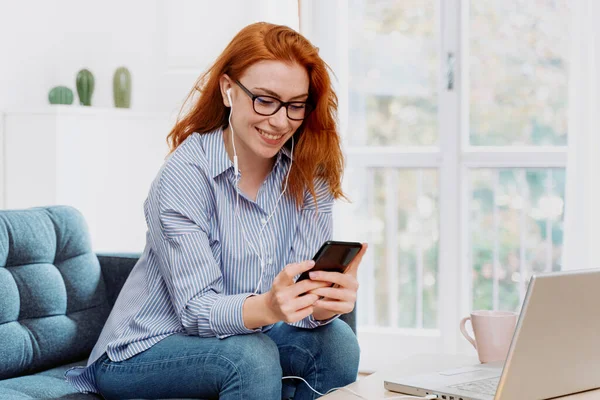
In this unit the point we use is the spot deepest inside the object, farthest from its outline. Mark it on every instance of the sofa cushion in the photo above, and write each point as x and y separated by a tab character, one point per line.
49	384
54	301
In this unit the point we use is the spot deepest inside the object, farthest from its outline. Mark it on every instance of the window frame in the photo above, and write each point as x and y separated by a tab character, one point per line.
454	158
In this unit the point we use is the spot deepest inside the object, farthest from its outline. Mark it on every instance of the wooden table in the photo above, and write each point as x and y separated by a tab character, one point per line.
371	387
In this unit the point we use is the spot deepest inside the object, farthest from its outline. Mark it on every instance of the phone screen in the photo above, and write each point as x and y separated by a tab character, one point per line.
333	256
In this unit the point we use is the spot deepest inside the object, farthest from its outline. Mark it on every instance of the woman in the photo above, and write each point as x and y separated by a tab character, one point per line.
211	310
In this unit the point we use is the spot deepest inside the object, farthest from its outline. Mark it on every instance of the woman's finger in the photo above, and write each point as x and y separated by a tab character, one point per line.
303	302
306	286
353	267
301	314
338	307
344	280
335	294
287	275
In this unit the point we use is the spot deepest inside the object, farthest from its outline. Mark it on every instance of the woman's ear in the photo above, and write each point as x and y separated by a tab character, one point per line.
225	86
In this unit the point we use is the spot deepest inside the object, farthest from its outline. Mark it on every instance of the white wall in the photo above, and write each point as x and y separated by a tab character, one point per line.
325	24
101	162
51	40
166	44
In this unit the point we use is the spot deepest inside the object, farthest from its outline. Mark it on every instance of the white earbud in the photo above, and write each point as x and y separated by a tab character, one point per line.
235	159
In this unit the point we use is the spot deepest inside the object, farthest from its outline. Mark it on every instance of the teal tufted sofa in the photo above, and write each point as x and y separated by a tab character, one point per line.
55	295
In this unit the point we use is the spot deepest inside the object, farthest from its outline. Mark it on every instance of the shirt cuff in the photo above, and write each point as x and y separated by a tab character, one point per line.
227	318
310	322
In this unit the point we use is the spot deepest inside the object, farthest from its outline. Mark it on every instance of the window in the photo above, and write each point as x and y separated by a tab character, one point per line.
456	151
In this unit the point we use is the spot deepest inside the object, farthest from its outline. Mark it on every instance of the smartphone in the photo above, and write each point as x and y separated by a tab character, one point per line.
333	256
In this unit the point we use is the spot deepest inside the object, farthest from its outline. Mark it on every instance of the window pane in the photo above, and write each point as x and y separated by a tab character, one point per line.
516	230
398	276
518	72
393	75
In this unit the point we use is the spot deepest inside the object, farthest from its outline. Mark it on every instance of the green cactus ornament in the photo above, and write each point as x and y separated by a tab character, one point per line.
85	87
122	88
60	95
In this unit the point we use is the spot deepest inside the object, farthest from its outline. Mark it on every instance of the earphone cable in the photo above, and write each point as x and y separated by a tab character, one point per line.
236	211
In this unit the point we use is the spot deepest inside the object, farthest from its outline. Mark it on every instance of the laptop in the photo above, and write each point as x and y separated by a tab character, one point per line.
555	350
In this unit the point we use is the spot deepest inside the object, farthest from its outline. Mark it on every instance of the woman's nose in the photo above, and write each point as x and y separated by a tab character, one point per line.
280	118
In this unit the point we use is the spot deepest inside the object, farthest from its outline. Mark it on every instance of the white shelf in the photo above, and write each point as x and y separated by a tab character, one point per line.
85	111
2	158
99	160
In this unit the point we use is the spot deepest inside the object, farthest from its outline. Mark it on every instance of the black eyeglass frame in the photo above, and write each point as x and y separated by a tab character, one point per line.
307	106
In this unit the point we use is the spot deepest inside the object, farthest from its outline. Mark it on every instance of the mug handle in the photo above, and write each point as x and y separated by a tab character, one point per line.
463	330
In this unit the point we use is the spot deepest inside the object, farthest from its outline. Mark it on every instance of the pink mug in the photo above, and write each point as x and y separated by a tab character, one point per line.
493	333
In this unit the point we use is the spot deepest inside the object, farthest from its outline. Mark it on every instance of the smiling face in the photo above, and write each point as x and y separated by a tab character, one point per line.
258	136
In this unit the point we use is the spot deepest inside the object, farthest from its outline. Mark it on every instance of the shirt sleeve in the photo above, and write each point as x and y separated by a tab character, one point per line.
178	223
314	228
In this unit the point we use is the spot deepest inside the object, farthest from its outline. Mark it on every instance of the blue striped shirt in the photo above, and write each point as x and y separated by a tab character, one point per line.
197	268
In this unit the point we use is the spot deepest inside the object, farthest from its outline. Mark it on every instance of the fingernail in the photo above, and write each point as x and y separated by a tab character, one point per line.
312	275
311	263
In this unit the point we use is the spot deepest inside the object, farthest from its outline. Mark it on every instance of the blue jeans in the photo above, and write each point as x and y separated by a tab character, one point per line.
238	367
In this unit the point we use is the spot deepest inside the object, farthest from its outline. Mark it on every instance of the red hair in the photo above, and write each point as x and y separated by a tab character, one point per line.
317	152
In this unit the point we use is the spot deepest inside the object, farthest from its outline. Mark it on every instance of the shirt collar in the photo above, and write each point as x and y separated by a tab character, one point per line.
284	151
219	159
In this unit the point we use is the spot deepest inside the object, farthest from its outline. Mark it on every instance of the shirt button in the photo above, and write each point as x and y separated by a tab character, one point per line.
263	221
270	261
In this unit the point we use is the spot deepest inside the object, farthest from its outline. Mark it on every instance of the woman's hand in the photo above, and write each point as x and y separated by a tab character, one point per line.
285	300
339	299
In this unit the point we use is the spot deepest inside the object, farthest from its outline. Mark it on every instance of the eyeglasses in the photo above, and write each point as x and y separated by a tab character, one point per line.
268	105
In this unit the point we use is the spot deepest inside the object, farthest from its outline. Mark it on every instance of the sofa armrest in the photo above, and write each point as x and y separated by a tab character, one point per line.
350	319
115	269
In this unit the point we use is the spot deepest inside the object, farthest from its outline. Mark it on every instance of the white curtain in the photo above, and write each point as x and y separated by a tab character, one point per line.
582	197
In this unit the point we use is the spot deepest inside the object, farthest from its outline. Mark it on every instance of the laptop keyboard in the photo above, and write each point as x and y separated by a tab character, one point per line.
485	386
